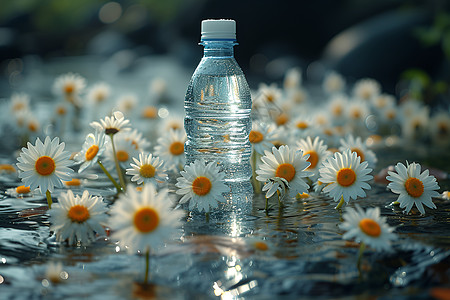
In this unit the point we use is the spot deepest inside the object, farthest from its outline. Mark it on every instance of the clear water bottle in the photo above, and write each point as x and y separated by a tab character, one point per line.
218	106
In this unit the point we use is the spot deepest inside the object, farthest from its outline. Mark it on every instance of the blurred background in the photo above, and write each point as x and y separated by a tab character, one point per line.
388	40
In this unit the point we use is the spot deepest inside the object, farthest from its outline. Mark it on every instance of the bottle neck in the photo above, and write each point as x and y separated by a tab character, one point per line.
218	48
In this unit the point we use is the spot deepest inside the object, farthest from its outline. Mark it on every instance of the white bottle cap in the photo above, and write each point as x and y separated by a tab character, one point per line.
218	30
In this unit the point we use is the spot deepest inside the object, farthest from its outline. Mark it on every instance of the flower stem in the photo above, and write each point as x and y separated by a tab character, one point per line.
118	188
49	199
360	253
147	265
207	217
340	203
116	161
266	206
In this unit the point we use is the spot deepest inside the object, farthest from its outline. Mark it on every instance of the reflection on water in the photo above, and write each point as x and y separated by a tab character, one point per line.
296	249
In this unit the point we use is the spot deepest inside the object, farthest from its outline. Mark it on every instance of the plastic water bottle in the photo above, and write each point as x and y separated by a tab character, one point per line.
218	106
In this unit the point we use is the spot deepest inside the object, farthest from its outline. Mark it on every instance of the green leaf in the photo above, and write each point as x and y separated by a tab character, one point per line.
429	36
417	76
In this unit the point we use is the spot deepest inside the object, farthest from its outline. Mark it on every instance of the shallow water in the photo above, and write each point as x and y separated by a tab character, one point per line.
306	255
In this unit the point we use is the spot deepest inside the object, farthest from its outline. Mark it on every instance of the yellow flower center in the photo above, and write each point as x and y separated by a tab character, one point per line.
286	171
390	115
91	152
282	119
414	187
61	110
359	153
44	165
122	155
78	213
201	185
146	219
69	88
346	177
302	125
313	158
73	182
33	126
149	112
23	189
356	114
176	148
370	227
270	98
261	246
147	171
337	110
255	137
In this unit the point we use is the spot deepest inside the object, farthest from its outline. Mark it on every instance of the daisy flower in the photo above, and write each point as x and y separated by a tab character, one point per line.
123	151
70	86
22	191
317	152
92	149
357	110
112	125
202	184
143	220
127	103
262	136
19	102
285	163
337	108
439	128
366	89
383	101
292	78
416	125
356	145
147	169
137	139
413	187
268	96
99	93
333	83
367	227
345	176
171	149
78	219
44	165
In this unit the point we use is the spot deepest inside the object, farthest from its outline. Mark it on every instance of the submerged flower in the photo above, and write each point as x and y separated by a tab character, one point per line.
112	125
77	218
345	176
147	169
356	145
170	148
413	187
285	163
367	227
142	220
92	149
22	191
317	154
44	165
202	184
